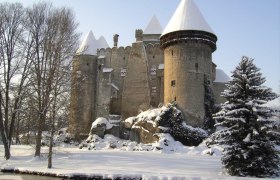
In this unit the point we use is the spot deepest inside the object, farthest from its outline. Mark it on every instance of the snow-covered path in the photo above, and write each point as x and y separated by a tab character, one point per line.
116	163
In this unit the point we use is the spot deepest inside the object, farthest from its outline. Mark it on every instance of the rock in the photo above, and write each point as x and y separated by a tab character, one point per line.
168	119
115	131
146	131
113	146
99	130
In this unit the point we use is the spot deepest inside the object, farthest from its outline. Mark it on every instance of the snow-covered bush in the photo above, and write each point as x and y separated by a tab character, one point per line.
63	136
178	129
247	132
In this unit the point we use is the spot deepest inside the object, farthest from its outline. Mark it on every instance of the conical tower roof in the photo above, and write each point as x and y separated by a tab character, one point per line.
221	76
102	43
154	26
187	17
89	45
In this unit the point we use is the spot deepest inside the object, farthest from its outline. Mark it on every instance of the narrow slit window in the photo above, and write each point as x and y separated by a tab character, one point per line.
173	83
196	67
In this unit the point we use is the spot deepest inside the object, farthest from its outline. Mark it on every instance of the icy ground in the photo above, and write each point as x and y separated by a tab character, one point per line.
179	162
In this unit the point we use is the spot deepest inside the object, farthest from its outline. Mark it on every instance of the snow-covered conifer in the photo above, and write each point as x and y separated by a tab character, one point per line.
248	132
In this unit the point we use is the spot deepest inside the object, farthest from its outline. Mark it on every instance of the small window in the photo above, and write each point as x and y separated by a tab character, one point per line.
115	94
123	72
173	83
153	57
172	52
123	58
153	71
175	98
196	67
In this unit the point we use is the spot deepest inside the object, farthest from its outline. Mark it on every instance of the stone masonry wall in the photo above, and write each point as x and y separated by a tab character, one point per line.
83	94
136	90
218	88
155	58
186	66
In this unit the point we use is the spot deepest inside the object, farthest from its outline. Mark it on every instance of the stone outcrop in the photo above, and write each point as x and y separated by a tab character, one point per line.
146	127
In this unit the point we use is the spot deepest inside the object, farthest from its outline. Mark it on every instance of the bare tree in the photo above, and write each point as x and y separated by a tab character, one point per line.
63	55
11	58
36	48
55	39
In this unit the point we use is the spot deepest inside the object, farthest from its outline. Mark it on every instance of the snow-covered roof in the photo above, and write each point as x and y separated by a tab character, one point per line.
154	26
102	43
187	17
90	45
101	57
161	66
221	76
114	86
106	70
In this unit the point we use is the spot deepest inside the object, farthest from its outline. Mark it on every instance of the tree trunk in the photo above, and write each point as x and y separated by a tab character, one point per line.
17	131
12	124
50	149
39	137
3	133
38	143
5	141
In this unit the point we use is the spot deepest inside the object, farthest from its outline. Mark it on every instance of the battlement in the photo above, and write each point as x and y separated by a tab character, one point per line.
187	36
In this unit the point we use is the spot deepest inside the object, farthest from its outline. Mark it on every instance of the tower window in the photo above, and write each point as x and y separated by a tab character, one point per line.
123	58
175	98
123	72
173	83
153	70
153	57
172	52
196	67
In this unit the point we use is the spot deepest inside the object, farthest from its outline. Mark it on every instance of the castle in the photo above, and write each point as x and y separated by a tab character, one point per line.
160	67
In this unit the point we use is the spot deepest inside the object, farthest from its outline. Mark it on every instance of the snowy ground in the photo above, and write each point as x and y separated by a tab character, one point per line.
184	163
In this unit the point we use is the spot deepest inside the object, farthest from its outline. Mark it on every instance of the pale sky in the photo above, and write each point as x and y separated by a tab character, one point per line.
243	27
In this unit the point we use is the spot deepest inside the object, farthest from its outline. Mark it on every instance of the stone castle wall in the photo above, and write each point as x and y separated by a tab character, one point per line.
124	81
136	90
83	93
219	87
155	73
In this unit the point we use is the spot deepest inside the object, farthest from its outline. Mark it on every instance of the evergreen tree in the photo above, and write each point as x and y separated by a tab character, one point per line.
248	132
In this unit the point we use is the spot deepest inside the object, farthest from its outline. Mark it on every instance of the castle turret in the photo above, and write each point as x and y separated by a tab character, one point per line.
84	85
188	43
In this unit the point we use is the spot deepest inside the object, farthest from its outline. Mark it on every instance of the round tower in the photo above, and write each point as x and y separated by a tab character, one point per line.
188	43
